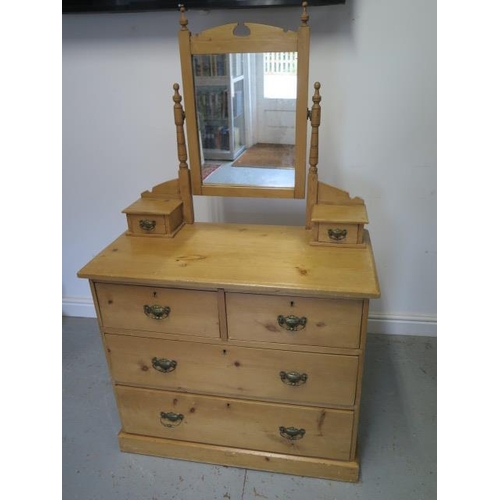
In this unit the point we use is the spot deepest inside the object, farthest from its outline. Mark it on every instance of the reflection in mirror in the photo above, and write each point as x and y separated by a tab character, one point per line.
246	107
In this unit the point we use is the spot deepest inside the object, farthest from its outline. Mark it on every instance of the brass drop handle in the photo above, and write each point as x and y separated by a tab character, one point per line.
156	312
171	419
337	234
292	433
292	323
164	365
293	378
147	224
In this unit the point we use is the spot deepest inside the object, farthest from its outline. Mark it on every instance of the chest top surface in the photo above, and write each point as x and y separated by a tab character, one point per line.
252	258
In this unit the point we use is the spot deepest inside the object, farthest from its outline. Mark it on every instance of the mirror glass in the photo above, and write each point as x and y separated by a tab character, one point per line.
245	111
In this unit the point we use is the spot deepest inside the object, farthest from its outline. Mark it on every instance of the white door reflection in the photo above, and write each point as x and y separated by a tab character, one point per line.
246	107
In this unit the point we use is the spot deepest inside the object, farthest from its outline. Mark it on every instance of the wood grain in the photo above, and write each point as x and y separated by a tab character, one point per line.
261	38
190	110
350	239
238	191
364	323
134	224
242	343
238	423
228	370
329	322
122	306
240	457
340	213
264	259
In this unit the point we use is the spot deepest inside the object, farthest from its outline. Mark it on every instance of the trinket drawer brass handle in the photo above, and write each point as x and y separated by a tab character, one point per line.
156	312
292	323
293	378
164	365
292	433
171	419
147	224
337	234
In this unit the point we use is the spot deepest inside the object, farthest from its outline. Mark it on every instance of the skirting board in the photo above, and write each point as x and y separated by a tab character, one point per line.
392	324
389	324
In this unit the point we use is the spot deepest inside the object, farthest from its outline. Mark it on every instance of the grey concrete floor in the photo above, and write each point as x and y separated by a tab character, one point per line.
397	437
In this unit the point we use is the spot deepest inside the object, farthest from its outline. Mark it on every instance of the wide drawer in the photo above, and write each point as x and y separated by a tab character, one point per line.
301	378
294	320
157	309
306	431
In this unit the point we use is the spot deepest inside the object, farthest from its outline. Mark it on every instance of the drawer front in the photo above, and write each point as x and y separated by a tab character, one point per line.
146	224
300	378
313	432
164	310
294	320
339	234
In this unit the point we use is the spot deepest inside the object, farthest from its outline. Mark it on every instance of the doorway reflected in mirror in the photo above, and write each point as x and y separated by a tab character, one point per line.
246	105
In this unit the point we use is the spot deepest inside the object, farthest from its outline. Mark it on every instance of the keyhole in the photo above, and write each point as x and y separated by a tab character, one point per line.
154	295
291	303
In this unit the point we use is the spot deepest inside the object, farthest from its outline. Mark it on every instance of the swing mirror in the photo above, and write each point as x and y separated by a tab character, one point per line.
245	100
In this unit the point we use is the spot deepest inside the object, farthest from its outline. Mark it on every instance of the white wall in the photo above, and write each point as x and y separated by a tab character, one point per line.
376	61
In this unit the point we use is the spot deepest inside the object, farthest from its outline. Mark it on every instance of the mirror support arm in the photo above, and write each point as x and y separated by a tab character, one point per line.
312	179
184	174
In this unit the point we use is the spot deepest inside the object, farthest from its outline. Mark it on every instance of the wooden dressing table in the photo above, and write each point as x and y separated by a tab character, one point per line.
240	345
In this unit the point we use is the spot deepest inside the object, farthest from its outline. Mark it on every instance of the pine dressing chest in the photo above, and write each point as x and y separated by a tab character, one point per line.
237	344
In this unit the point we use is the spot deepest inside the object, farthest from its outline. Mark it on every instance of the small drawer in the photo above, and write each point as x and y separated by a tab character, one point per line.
296	430
338	224
157	309
268	374
340	234
146	224
294	320
154	217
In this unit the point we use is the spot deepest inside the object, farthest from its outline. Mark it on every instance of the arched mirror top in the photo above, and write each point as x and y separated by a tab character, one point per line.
243	37
245	97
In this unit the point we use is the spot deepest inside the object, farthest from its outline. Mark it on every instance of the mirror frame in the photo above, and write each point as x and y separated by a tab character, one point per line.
262	38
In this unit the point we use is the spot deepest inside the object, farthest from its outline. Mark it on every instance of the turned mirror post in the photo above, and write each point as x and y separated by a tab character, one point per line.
221	47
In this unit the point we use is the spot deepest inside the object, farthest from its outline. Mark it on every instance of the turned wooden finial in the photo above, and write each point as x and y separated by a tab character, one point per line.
305	16
316	97
177	97
183	20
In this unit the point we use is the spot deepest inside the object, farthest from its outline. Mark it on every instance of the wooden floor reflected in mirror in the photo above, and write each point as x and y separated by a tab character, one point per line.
260	165
267	155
